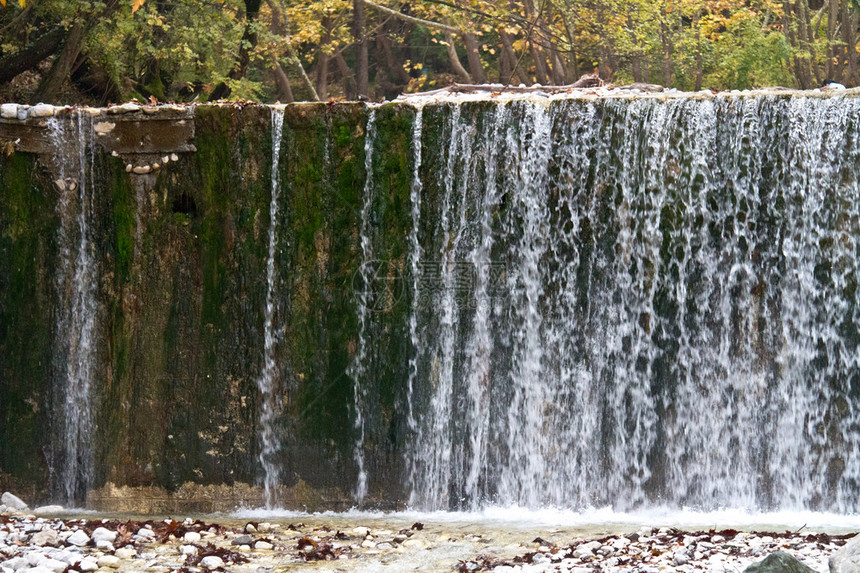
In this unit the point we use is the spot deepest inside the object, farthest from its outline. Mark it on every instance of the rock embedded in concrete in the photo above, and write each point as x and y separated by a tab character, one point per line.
41	110
9	111
123	108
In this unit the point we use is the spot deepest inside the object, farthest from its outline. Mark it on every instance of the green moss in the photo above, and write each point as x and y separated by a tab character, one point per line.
124	223
27	256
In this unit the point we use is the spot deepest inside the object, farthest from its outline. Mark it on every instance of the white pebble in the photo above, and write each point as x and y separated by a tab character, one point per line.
9	111
124	108
78	538
53	564
41	110
103	127
191	537
212	562
146	533
125	552
109	561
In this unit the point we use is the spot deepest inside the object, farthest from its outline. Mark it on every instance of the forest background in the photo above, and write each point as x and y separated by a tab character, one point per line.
102	51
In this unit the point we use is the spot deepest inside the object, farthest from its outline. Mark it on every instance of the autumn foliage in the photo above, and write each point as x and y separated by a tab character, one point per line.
108	50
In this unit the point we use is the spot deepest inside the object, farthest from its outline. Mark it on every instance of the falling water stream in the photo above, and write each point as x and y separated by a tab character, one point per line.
358	368
76	281
267	381
619	301
638	302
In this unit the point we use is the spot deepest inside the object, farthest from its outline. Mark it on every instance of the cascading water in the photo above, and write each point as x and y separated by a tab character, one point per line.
367	269
637	302
77	275
267	381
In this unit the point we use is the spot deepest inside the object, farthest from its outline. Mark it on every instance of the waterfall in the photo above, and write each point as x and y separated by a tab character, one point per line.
636	301
77	275
414	266
270	443
358	368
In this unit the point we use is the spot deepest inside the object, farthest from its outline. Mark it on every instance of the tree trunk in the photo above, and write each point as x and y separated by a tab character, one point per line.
559	72
29	58
279	27
789	20
249	42
89	77
285	89
473	56
322	64
346	76
505	67
456	66
805	33
666	44
539	62
833	51
360	47
699	64
849	37
508	47
570	32
62	67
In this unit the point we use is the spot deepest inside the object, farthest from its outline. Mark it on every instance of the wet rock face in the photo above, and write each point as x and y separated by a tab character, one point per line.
779	562
178	233
847	559
590	279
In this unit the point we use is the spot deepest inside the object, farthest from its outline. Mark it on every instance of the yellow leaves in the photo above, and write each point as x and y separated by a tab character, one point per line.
136	4
20	3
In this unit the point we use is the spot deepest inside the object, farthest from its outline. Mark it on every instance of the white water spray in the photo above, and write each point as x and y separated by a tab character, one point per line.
77	275
267	382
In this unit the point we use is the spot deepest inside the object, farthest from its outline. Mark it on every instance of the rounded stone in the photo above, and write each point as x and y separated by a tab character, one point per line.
212	562
41	110
78	538
109	561
191	537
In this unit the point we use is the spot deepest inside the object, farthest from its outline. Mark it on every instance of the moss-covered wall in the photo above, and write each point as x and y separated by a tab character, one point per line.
182	290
